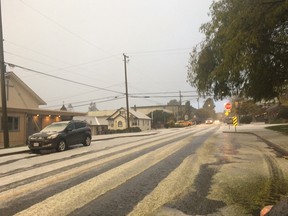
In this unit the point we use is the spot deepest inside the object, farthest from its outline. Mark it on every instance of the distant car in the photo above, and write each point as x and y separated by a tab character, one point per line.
182	123
60	135
209	121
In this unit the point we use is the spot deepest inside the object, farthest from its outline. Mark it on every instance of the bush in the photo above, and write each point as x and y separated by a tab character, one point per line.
130	130
246	119
283	113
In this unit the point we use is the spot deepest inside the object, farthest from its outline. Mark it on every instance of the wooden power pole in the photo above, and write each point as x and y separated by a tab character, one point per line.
126	87
3	89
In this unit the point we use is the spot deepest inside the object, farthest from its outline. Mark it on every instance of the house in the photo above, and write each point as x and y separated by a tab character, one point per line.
24	115
98	125
97	120
118	120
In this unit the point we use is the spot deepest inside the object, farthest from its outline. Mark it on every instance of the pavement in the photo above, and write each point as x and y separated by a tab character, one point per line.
23	149
276	140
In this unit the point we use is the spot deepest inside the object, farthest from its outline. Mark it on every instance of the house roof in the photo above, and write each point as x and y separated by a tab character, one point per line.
101	113
45	112
136	114
92	120
26	87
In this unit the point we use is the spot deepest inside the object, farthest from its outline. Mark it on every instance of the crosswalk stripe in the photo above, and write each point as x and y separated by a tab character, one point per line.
175	183
42	183
76	197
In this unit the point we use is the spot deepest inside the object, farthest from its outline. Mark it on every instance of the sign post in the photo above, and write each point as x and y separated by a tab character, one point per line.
235	122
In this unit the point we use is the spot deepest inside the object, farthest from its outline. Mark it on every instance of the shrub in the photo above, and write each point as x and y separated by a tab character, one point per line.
246	119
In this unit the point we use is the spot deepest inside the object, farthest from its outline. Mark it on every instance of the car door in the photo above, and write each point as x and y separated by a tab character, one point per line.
71	134
81	131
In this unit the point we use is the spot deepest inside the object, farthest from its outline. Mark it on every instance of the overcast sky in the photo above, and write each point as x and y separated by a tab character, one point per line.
84	41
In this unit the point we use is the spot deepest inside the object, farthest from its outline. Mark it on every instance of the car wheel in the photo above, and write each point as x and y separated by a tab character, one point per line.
61	146
87	141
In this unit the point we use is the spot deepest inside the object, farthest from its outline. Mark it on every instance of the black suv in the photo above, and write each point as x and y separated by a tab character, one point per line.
60	135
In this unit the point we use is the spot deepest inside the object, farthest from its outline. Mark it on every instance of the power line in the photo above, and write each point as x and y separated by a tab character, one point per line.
160	51
163	96
153	93
64	79
52	58
63	68
87	102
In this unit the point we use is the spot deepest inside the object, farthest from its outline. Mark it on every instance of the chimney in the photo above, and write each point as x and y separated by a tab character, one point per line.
135	109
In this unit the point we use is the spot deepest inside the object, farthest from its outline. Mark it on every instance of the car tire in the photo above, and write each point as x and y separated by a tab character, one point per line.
61	146
87	141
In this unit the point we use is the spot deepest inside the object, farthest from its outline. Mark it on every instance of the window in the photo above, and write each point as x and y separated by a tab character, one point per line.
134	122
80	125
13	123
120	124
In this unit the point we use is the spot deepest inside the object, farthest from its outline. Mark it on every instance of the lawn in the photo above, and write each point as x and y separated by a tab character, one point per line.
280	128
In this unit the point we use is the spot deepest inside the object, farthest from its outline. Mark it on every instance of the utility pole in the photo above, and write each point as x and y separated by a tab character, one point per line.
180	107
3	89
126	88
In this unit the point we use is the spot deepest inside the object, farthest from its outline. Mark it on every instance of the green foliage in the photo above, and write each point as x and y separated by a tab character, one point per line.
169	124
159	118
203	114
209	104
245	51
130	130
283	113
247	108
173	102
246	119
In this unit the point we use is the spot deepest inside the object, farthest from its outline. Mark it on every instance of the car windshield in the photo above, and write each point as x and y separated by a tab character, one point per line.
55	127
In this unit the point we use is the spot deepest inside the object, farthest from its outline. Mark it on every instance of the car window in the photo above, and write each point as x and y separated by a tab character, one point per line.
71	126
80	125
55	127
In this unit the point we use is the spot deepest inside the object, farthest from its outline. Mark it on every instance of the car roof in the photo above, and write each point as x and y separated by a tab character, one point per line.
66	122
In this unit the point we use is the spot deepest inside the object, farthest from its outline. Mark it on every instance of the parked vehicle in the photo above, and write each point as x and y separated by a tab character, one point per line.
60	135
182	123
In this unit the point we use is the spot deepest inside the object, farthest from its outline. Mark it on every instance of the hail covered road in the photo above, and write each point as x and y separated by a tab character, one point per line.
195	171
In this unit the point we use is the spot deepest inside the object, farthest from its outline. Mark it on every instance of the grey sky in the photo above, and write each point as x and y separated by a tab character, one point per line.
83	40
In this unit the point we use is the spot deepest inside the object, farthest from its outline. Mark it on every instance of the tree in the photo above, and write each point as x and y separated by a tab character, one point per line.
173	102
209	104
248	108
189	111
203	114
160	118
92	107
245	51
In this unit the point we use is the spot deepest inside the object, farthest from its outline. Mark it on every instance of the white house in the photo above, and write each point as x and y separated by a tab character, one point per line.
118	120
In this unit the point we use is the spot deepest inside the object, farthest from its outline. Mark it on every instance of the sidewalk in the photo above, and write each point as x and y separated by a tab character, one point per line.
276	140
23	149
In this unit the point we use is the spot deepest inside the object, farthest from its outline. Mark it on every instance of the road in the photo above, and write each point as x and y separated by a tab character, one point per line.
197	170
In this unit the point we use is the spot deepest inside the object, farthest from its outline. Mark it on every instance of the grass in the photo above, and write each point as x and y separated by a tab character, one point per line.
280	128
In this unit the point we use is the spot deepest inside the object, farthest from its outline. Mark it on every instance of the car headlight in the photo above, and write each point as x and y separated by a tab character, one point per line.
53	136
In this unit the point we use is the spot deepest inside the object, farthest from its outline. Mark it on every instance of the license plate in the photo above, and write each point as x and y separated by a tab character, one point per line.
35	144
